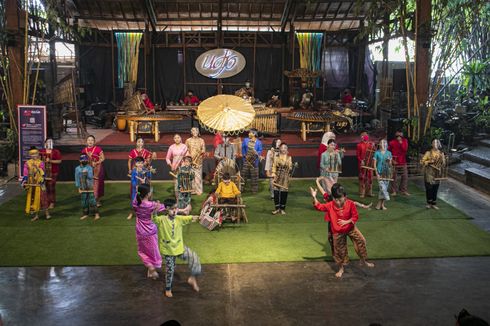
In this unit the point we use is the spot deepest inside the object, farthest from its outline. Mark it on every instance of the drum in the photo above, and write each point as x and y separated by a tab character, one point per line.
121	123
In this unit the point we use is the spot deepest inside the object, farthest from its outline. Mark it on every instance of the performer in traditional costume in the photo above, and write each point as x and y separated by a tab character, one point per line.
342	215
196	149
96	160
172	245
146	230
383	163
280	173
433	162
365	175
185	181
347	97
246	92
139	175
225	149
306	100
331	165
191	99
275	101
149	106
140	151
269	161
324	145
399	147
175	154
34	183
52	160
84	181
251	151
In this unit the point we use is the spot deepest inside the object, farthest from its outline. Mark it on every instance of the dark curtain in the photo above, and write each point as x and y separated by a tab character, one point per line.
169	71
96	73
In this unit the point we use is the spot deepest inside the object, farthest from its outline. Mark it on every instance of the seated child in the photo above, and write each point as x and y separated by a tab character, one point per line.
227	191
171	245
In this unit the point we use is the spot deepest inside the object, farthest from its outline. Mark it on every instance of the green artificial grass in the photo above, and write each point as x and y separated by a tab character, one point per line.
405	230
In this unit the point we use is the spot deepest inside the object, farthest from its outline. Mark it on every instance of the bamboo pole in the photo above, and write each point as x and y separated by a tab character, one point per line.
37	71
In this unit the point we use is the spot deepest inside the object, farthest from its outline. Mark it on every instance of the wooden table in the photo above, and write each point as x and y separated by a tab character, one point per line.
135	121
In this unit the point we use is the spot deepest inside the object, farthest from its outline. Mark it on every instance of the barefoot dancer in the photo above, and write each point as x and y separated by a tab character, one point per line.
34	184
146	230
172	245
342	215
382	162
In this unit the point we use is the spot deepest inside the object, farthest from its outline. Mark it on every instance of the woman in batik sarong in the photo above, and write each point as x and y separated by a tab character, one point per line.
196	149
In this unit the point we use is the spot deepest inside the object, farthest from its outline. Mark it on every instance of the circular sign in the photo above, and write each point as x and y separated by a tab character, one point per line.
220	63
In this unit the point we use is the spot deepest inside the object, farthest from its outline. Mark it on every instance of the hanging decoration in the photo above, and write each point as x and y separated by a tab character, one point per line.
128	48
310	51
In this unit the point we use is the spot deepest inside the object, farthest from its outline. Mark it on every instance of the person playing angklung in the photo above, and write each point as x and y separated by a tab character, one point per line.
34	183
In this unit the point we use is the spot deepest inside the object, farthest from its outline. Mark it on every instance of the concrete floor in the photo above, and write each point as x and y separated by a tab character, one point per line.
395	292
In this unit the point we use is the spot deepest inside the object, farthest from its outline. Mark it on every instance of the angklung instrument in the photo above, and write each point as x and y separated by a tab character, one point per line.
185	177
440	164
227	165
265	120
386	173
283	173
334	162
368	162
84	184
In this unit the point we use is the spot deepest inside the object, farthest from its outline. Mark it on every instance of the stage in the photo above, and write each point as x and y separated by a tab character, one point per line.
116	146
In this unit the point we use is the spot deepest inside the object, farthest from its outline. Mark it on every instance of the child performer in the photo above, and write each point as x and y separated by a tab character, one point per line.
227	191
146	230
365	175
33	183
431	162
342	215
382	161
330	165
251	151
172	246
269	160
52	160
281	170
96	159
84	181
140	151
140	175
185	178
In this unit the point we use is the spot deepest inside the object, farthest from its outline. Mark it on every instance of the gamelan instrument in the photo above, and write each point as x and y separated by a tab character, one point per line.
265	120
283	173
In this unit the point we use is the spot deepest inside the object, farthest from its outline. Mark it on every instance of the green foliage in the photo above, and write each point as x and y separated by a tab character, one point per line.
8	149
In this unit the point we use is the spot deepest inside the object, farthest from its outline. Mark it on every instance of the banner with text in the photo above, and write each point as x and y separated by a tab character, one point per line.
32	131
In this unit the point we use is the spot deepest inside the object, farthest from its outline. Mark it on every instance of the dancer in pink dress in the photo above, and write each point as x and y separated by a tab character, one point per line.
146	230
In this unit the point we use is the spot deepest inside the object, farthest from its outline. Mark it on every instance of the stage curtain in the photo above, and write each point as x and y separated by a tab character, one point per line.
336	67
96	73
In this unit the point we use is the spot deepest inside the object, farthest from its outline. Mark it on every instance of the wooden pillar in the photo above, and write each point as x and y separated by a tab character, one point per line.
422	50
15	27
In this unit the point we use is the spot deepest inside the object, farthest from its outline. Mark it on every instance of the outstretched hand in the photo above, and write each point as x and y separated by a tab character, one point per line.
313	192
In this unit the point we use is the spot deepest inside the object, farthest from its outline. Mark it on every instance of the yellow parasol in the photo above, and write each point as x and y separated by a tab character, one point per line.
225	113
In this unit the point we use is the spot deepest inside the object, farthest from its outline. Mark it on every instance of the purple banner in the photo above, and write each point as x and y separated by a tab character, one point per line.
32	131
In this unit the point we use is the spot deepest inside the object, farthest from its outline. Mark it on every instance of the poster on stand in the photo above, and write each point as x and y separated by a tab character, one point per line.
32	131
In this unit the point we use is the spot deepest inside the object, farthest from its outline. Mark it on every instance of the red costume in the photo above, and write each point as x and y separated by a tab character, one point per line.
144	153
54	155
333	214
149	104
399	151
365	175
191	100
94	154
347	99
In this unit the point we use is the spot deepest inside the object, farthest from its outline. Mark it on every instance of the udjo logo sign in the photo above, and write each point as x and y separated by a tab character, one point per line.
220	63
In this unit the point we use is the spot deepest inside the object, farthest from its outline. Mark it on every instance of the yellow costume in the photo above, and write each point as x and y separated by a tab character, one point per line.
34	184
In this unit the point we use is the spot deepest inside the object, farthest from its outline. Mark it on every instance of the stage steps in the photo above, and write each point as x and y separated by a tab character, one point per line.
474	167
